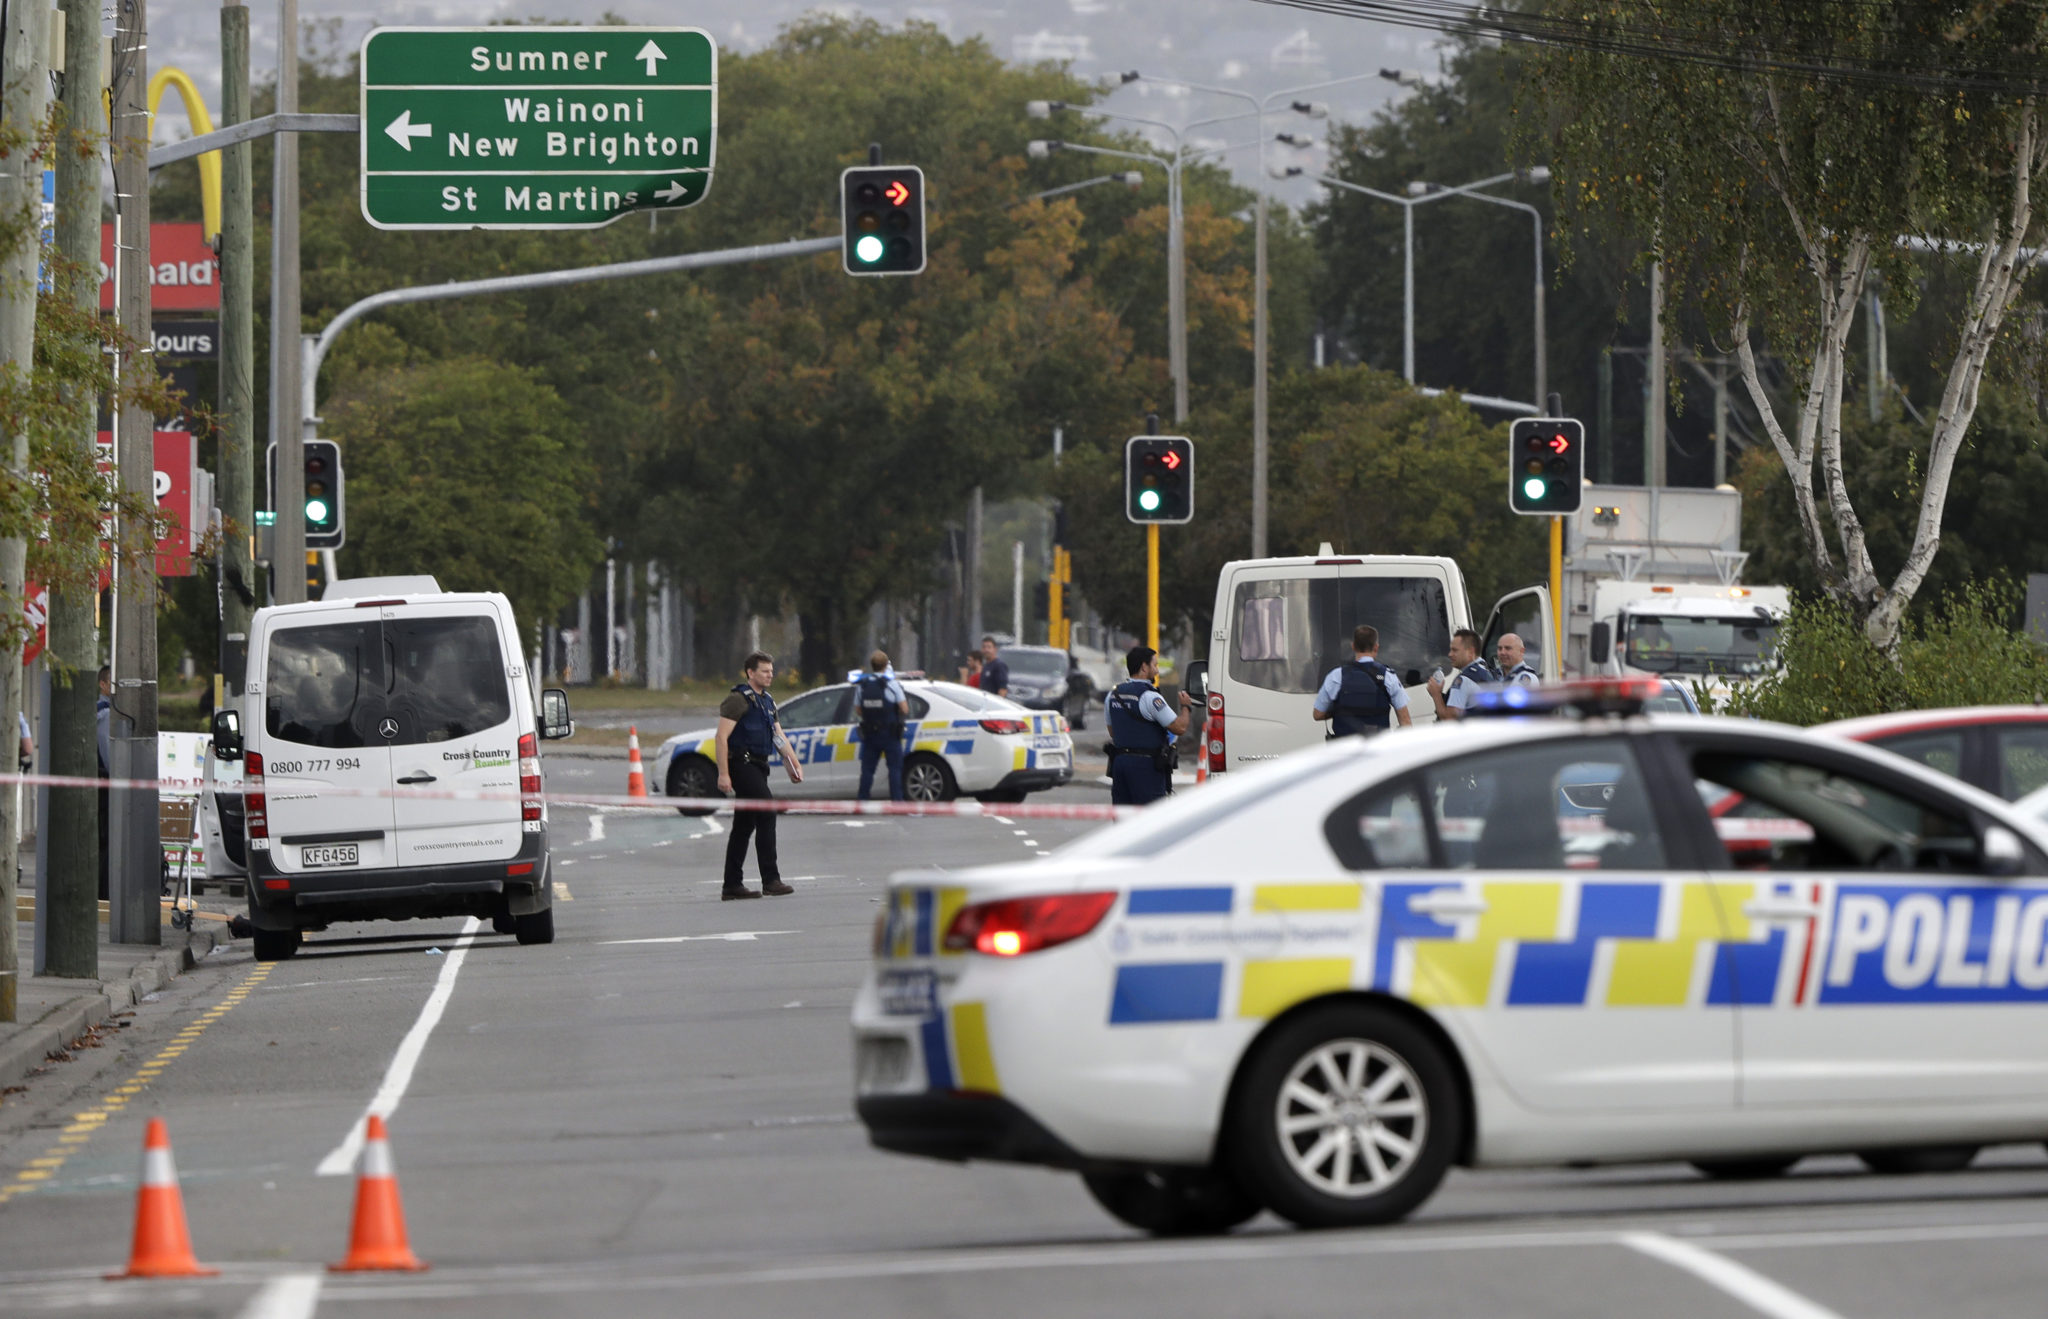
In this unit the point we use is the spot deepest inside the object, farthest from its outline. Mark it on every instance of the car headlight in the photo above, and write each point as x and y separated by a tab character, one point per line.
1056	691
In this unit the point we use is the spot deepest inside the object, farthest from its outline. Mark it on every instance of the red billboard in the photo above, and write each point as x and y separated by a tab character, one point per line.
175	477
184	275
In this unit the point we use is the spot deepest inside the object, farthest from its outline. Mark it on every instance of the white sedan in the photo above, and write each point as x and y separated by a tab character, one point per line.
1316	985
957	740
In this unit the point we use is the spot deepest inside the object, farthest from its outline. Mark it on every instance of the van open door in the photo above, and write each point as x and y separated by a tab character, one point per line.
1526	613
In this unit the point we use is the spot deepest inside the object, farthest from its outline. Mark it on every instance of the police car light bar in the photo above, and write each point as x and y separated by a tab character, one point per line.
1583	697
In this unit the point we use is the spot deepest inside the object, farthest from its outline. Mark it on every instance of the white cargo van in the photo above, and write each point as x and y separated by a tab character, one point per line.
384	683
1282	624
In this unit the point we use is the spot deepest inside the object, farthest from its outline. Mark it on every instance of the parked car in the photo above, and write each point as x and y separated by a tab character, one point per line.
1046	678
2002	749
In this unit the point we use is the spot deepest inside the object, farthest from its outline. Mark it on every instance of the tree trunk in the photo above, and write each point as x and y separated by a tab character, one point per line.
821	647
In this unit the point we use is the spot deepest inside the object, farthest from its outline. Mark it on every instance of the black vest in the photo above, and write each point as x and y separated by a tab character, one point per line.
755	730
1129	729
1362	704
878	715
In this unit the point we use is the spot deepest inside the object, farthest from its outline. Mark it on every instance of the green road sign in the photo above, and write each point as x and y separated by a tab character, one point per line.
534	127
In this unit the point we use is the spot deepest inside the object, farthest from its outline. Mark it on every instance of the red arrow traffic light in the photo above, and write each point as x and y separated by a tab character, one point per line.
896	193
1169	460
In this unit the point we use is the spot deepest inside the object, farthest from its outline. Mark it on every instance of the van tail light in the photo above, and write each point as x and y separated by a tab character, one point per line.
1012	927
1213	744
255	801
1005	725
529	776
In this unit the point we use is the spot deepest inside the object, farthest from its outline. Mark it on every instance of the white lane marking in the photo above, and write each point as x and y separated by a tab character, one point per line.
596	828
293	1296
341	1160
855	824
711	827
1000	819
562	893
1020	832
735	936
1745	1284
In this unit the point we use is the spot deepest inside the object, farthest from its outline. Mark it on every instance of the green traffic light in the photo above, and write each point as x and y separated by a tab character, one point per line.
316	510
868	248
1535	487
1148	500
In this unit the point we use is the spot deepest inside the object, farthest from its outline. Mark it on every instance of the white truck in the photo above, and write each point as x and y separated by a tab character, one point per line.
1653	586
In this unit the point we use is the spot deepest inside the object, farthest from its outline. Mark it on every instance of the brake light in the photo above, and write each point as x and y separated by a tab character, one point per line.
255	801
1212	732
1005	726
529	777
376	604
1012	927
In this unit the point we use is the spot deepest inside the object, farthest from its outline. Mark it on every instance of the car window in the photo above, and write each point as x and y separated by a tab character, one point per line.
1045	665
919	706
324	686
1291	631
1522	614
1573	804
969	698
1780	813
1381	830
448	678
812	709
1941	750
2022	759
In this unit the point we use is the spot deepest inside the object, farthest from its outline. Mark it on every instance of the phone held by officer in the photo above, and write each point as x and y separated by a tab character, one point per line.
748	735
1362	697
1142	729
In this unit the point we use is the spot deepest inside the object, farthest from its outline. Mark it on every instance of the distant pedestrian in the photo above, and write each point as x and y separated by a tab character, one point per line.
747	736
1512	658
1364	696
995	674
1456	698
1142	729
882	708
970	672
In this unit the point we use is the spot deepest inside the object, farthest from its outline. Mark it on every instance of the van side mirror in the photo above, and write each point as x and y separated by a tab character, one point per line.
2002	853
1601	644
555	722
1195	682
227	735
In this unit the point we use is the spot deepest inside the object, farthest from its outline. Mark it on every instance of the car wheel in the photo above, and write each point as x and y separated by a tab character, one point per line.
276	945
1173	1202
1346	1116
691	775
1919	1159
538	927
926	778
1747	1170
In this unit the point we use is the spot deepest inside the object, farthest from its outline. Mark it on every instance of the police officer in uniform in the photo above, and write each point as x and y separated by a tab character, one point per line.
1141	732
1512	657
881	707
747	736
1364	696
1453	701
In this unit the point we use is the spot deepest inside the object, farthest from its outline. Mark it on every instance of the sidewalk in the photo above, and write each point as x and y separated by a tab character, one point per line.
53	1012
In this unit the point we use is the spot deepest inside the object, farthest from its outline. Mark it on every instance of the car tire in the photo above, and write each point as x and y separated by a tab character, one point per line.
276	945
928	778
1747	1170
536	927
1346	1116
1173	1202
692	775
505	923
1919	1159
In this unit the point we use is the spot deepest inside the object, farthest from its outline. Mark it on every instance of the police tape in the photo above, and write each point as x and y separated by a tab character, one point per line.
276	787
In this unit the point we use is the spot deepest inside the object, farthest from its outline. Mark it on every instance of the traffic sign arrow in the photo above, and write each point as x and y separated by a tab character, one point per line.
673	192
896	192
403	130
653	54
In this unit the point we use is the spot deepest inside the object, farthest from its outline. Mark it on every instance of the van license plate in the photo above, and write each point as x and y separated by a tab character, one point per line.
337	854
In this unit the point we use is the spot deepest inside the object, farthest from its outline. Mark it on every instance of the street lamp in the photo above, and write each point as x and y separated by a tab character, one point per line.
1533	174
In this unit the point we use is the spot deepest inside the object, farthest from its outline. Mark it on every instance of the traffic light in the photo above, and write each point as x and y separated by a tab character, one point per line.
882	219
1546	465
1159	478
325	504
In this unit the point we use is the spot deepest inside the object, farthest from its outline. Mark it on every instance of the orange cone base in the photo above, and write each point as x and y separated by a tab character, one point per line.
378	1243
162	1247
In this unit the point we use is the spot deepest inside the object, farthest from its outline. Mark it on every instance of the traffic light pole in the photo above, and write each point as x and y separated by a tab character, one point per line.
1152	585
1557	590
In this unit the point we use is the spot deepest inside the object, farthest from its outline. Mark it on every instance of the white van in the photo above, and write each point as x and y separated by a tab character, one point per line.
1281	625
390	682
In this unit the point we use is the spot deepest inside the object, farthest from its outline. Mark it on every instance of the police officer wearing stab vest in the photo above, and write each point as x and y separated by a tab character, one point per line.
1141	732
747	735
1454	701
1364	696
882	708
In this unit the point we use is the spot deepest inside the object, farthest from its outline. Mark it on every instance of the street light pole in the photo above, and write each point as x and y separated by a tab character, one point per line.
1535	174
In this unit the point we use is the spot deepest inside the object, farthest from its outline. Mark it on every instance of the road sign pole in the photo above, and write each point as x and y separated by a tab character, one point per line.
1557	592
1152	585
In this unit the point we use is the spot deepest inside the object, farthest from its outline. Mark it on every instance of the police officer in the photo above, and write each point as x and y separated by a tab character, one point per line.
1364	696
1512	657
1453	701
881	707
995	671
747	736
1141	732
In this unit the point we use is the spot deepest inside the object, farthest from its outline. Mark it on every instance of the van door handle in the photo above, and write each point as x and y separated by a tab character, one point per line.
421	777
1780	909
1447	902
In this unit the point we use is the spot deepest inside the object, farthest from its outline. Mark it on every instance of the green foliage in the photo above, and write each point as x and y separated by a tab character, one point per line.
1963	652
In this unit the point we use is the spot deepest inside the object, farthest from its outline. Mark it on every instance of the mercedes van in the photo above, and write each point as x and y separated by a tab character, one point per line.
1281	625
389	741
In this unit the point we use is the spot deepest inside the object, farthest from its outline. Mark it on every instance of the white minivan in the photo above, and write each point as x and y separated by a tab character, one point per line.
390	683
1281	625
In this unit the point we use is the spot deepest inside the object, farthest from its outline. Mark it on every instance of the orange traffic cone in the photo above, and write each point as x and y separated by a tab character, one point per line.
163	1248
636	776
377	1240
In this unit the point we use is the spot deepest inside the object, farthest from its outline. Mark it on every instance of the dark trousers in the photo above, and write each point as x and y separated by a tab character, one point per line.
1136	781
872	750
750	780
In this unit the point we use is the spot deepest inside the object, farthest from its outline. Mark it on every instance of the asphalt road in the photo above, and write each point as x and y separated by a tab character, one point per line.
652	1116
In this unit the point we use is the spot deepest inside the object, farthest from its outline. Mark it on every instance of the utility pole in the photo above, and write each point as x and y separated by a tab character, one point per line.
1258	374
135	860
23	104
288	559
67	909
237	482
1653	406
973	601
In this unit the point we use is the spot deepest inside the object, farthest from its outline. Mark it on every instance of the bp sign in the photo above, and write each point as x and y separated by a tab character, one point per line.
534	127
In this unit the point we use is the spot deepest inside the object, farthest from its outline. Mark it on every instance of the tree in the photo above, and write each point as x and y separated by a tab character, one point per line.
1772	187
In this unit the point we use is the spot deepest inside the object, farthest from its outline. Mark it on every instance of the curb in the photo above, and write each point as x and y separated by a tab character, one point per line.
75	1016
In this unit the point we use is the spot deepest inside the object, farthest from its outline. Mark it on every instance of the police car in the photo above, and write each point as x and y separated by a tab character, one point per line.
1316	985
957	740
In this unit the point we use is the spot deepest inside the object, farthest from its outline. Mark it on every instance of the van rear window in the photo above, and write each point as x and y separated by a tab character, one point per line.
436	679
324	686
449	678
1293	630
